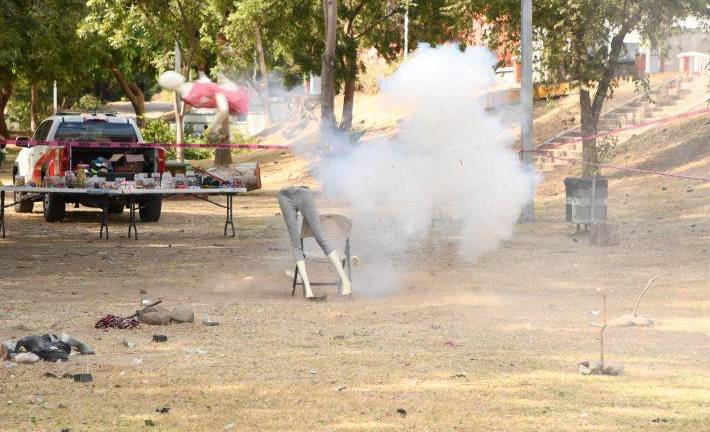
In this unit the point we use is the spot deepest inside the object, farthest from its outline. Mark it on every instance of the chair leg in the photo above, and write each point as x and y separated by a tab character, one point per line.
295	278
348	257
303	283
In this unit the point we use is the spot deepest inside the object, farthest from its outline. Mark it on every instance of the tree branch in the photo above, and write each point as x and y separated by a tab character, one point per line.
253	84
357	9
617	43
123	82
380	21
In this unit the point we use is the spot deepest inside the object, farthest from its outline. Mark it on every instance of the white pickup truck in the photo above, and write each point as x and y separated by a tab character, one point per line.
55	158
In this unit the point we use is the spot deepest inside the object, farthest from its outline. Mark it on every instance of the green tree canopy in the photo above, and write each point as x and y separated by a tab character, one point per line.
583	40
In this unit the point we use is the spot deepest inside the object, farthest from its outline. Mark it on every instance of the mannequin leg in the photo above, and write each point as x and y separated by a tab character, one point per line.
307	206
289	211
74	343
301	265
335	260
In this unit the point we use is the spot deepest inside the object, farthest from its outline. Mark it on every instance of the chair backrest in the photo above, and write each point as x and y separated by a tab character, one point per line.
334	226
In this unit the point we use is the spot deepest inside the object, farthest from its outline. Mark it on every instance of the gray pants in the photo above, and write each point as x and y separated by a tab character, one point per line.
299	198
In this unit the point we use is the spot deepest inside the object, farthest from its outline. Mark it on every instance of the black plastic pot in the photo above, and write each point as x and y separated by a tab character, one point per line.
83	378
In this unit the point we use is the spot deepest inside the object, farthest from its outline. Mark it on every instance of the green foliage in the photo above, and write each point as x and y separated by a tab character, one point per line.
125	40
38	45
18	109
159	131
89	102
608	148
291	33
582	42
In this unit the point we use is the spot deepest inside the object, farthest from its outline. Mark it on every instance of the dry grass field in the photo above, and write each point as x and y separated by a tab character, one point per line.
449	346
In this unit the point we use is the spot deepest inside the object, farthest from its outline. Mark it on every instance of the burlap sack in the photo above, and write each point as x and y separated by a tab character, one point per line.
183	314
155	315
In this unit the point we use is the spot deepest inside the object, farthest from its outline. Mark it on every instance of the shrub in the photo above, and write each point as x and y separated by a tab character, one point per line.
159	131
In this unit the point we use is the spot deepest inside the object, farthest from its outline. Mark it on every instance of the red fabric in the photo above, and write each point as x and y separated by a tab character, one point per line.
202	95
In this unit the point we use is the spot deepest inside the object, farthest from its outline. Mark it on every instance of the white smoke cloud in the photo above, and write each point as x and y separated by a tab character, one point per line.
450	156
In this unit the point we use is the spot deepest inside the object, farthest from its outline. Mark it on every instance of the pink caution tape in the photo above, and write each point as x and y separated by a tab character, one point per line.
624	168
687	114
112	144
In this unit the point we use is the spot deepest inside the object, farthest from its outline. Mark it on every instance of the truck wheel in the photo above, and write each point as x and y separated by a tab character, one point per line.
25	206
150	211
116	209
54	207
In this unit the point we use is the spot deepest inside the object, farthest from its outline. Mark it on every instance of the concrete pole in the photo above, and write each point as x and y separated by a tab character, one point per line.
54	97
406	30
526	101
178	107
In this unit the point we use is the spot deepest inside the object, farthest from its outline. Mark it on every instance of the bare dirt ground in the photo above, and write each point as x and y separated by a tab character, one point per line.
491	346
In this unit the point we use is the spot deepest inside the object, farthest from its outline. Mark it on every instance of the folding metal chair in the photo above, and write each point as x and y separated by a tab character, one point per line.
334	226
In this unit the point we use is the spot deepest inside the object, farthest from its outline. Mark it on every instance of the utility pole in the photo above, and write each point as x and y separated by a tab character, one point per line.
526	102
406	29
178	107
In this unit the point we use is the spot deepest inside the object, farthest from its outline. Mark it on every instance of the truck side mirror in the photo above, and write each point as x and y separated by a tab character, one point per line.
22	141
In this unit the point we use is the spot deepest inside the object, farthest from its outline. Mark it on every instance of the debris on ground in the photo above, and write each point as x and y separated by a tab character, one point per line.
117	322
596	368
632	319
26	358
51	375
6	348
182	314
659	420
83	377
124	323
206	321
48	347
128	344
153	315
197	351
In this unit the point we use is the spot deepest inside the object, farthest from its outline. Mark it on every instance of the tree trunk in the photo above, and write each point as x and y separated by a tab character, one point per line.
179	113
592	109
589	129
5	93
134	95
33	107
265	96
219	134
349	91
330	17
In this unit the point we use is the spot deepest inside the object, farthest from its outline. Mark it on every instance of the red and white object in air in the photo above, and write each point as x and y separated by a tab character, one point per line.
203	93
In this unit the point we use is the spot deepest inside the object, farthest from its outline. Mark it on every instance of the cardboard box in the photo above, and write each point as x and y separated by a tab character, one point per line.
127	163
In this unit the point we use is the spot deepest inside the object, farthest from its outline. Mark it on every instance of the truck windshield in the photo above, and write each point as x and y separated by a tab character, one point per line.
96	131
